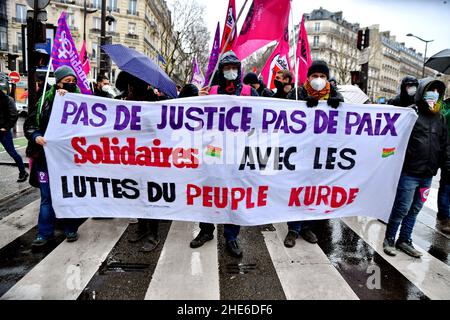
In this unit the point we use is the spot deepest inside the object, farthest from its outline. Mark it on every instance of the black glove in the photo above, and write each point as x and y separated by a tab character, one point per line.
311	102
333	102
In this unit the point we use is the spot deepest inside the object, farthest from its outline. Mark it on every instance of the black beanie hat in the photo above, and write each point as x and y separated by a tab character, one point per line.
189	90
251	78
319	66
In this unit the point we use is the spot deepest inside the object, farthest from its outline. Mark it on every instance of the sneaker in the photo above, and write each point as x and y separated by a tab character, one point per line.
234	249
201	239
443	225
41	241
389	248
23	176
289	241
72	236
408	248
308	235
150	243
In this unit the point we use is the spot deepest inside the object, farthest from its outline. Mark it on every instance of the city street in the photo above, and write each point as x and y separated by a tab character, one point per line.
348	262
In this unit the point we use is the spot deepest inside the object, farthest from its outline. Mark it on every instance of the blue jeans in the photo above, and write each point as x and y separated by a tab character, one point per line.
231	232
408	202
297	226
443	201
46	221
6	140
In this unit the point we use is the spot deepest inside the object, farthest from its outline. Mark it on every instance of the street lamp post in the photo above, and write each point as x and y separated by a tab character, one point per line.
425	56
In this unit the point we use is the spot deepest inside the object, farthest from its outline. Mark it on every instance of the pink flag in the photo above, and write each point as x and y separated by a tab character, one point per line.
229	27
265	22
65	53
279	60
85	59
197	77
303	55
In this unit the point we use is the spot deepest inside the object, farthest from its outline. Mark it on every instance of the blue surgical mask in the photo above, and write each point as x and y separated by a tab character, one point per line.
431	97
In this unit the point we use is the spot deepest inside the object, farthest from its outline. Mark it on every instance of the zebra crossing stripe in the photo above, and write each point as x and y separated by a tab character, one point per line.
67	269
304	271
183	273
18	223
428	274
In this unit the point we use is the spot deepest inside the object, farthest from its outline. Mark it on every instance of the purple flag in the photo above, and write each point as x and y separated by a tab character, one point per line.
64	52
215	51
197	77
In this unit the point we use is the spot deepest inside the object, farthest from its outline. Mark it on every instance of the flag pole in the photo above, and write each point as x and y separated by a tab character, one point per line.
46	81
226	42
295	51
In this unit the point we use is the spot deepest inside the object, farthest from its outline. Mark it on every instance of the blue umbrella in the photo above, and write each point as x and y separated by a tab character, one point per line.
142	67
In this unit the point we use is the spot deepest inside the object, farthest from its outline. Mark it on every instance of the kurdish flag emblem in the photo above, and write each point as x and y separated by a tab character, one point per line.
388	152
214	151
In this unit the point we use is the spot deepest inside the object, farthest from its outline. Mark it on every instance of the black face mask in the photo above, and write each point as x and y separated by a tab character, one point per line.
71	87
278	84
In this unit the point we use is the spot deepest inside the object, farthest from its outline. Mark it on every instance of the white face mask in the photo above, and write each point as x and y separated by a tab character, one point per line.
411	91
106	88
318	84
230	74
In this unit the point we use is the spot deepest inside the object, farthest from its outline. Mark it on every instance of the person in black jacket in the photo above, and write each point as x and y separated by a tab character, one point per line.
8	119
283	84
317	87
252	79
34	128
425	153
408	89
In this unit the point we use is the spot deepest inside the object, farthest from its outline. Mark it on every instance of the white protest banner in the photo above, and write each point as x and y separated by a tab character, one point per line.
224	159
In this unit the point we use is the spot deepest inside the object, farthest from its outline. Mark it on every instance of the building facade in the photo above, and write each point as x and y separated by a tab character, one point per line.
138	24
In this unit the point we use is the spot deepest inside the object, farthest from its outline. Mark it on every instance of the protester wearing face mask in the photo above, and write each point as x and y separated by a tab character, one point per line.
408	89
34	128
102	87
317	87
283	84
228	78
427	150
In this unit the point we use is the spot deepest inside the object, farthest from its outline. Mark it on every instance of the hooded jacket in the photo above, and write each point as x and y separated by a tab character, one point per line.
403	99
427	148
37	121
230	57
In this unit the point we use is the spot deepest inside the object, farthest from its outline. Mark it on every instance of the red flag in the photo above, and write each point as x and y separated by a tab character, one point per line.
303	55
229	27
279	60
265	22
85	59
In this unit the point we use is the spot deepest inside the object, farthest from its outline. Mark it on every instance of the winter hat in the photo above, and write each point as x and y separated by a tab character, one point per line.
189	90
319	66
251	78
64	71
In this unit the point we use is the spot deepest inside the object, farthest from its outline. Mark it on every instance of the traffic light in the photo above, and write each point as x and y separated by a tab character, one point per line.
41	32
355	77
359	41
366	38
12	61
40	58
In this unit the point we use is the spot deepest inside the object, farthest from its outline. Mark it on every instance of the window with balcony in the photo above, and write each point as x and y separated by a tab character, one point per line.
112	5
21	13
97	4
71	19
19	41
131	28
112	27
97	23
132	7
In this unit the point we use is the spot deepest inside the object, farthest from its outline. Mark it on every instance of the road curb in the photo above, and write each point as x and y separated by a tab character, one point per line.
18	193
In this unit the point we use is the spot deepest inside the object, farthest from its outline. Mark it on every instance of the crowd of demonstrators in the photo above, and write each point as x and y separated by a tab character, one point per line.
8	119
252	79
408	89
34	128
428	148
427	151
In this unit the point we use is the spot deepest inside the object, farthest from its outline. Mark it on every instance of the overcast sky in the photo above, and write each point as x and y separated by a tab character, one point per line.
427	19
